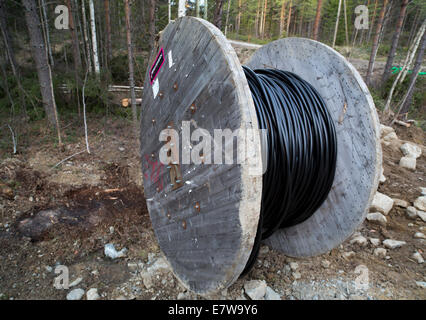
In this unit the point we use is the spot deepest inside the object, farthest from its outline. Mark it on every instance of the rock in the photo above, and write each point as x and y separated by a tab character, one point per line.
411	150
76	282
419	235
421	284
294	266
380	252
390	136
132	266
92	294
360	240
423	191
418	257
182	296
385	130
382	203
348	255
147	280
325	264
421	215
6	191
255	289
271	294
296	275
121	149
408	163
377	218
393	244
375	241
159	265
110	251
420	203
382	177
75	294
411	212
263	250
400	203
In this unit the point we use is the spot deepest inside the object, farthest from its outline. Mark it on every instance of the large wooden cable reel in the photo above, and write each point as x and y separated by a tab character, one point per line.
205	216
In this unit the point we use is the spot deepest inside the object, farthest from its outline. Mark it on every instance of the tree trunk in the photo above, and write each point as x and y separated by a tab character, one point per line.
86	38
395	39
108	31
169	10
317	19
409	57
227	17
256	20
337	23
237	27
217	19
205	10
264	18
406	102
288	19
282	14
346	22
413	27
74	38
197	8
181	8
261	20
94	41
301	22
43	69
152	23
375	45
373	19
46	27
131	71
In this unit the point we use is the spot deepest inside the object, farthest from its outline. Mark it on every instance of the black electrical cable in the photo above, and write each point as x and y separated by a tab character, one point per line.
301	149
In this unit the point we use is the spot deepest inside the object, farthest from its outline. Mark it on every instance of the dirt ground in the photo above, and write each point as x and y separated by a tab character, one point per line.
64	215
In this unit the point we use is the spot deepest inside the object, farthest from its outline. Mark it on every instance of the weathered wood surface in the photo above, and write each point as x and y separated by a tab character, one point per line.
207	248
359	151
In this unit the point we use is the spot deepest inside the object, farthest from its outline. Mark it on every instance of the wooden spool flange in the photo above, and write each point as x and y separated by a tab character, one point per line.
205	216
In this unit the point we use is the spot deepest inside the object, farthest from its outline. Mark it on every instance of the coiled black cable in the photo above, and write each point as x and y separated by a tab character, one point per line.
301	148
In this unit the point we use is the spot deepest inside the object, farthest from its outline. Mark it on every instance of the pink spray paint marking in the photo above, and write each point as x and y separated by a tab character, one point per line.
153	172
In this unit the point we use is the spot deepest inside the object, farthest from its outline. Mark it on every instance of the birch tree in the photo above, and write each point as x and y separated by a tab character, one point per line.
337	23
408	97
94	40
181	8
409	57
